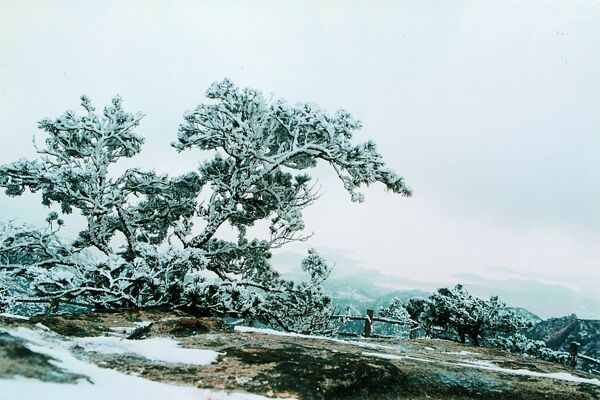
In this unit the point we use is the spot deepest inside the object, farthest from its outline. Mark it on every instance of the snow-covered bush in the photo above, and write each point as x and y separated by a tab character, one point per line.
138	248
521	344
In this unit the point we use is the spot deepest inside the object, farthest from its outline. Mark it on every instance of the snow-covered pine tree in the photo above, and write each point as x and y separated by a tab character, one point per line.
470	316
138	249
455	312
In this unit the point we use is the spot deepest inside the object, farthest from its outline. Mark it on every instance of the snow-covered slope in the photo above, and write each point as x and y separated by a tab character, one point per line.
176	356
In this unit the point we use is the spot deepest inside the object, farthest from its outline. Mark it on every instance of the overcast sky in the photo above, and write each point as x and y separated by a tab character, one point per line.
490	111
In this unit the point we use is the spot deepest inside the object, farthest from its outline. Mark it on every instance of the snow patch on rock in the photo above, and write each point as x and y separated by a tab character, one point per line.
489	366
267	331
565	376
154	349
460	353
13	316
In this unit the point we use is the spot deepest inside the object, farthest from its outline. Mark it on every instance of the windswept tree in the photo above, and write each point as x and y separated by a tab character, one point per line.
456	313
470	316
152	239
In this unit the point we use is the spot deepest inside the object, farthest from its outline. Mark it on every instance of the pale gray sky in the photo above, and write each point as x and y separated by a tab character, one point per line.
491	111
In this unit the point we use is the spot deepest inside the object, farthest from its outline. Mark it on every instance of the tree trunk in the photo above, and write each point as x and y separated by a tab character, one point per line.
474	335
461	333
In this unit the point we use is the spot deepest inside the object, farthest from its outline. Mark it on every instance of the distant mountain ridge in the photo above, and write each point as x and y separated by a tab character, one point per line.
527	315
361	300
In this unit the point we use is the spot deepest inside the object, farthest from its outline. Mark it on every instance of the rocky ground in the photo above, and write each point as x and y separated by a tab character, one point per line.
186	352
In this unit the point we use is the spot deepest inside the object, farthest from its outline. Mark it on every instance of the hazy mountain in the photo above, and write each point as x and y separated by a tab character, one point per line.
527	315
351	283
544	299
